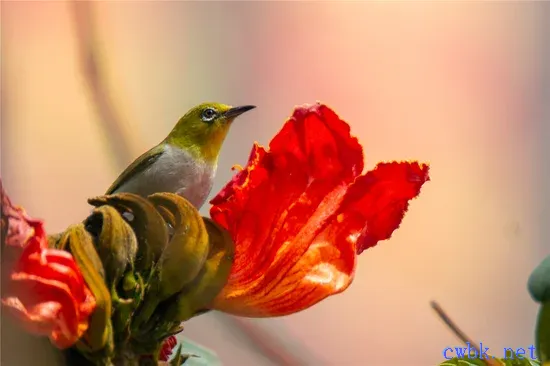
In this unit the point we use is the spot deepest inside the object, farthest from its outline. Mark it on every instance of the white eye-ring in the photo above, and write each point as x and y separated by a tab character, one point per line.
208	114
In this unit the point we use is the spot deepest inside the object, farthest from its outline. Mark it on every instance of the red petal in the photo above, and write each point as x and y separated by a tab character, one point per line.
39	318
376	203
240	182
19	227
36	298
321	141
87	307
47	266
167	347
23	235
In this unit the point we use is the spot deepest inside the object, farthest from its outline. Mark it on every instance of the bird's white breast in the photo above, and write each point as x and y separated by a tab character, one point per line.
175	171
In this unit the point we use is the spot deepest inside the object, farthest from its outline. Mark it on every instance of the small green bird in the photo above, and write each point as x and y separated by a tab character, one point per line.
185	161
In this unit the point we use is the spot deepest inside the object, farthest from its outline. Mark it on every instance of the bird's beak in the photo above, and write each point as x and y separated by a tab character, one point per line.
237	111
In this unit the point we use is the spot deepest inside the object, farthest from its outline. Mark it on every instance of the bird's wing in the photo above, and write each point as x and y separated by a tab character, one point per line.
139	165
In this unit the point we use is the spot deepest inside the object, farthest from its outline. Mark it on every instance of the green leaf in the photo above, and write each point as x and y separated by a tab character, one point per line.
177	360
202	355
539	282
542	334
479	362
464	362
511	359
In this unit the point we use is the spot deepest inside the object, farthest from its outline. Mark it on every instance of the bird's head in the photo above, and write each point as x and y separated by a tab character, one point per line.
203	129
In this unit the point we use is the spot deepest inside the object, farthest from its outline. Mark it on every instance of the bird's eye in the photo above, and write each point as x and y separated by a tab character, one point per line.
208	115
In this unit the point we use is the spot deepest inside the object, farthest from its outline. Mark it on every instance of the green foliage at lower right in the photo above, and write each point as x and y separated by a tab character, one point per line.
464	362
511	359
542	334
539	288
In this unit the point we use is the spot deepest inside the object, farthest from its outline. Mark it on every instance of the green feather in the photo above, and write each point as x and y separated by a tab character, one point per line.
139	165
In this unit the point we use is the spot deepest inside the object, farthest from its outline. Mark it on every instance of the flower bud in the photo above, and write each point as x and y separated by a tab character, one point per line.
115	242
182	258
197	296
200	293
148	225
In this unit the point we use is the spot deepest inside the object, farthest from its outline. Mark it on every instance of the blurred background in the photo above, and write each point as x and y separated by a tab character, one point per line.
88	87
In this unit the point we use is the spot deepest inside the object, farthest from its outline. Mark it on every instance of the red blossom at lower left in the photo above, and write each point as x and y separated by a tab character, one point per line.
167	348
46	291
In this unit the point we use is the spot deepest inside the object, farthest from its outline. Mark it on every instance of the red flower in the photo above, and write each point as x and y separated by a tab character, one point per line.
167	347
46	291
165	350
300	213
15	223
15	231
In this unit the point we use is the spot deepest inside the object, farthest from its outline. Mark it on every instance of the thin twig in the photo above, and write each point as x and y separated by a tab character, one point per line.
452	326
460	334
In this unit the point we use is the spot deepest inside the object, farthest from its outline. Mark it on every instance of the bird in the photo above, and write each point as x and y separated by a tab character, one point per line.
185	162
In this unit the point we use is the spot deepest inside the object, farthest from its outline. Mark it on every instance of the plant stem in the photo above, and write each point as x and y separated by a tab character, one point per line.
452	325
459	333
125	357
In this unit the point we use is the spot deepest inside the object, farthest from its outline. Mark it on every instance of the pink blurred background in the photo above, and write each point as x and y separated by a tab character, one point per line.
462	85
